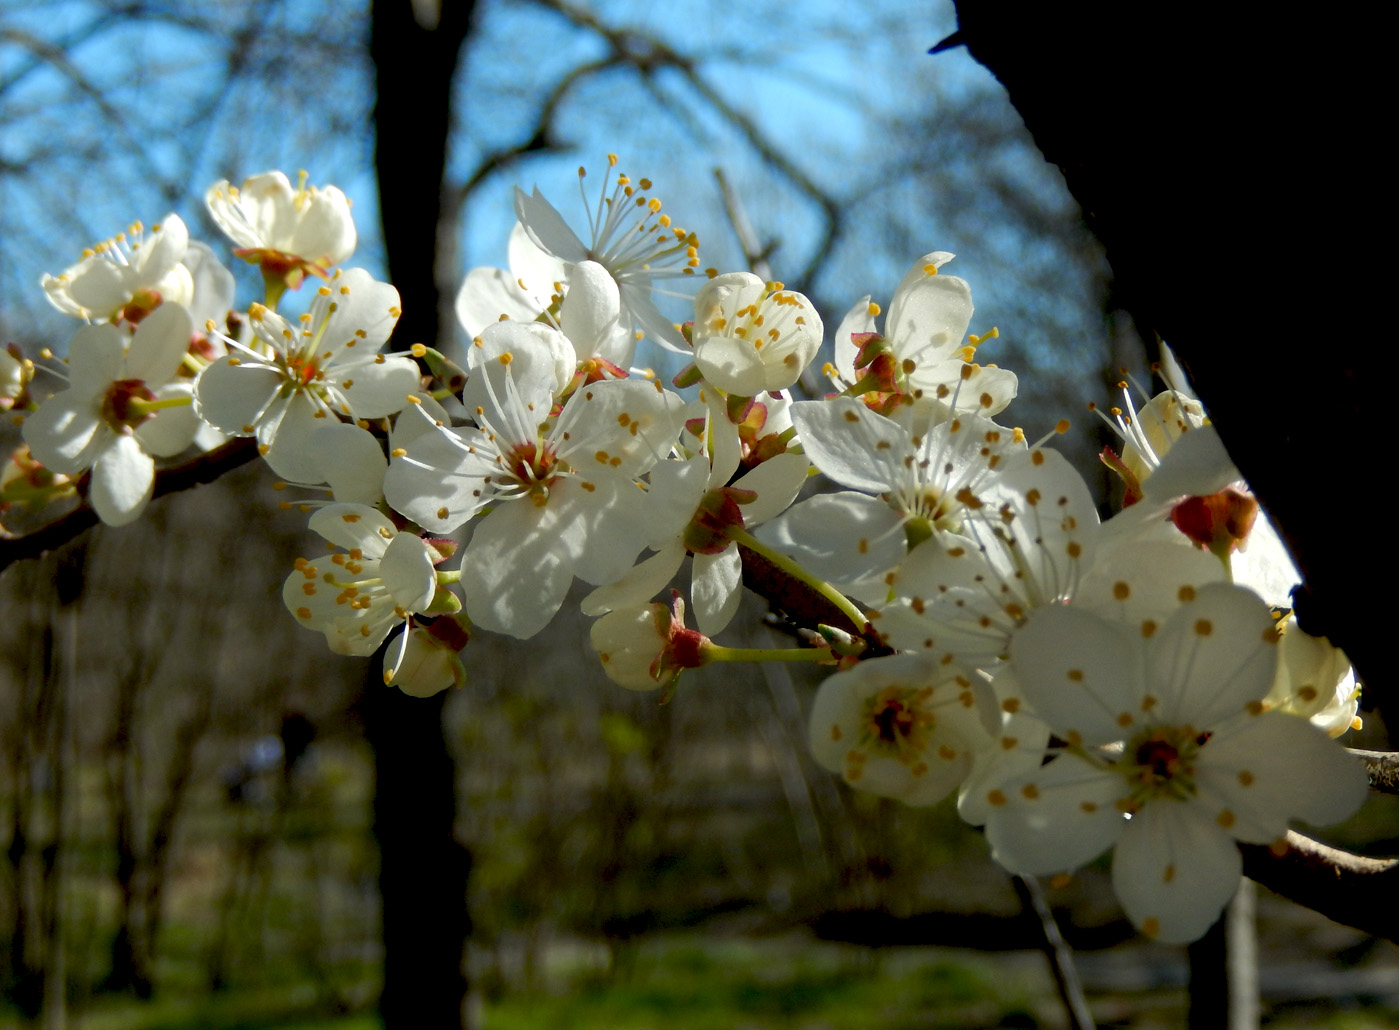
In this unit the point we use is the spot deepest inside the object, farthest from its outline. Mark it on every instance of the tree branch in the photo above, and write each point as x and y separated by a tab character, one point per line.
1348	888
1383	767
204	468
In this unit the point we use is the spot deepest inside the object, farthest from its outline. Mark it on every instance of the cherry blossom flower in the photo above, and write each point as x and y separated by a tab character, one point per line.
1203	761
910	478
903	726
126	277
924	349
562	489
751	336
378	579
630	238
289	233
123	405
326	367
692	505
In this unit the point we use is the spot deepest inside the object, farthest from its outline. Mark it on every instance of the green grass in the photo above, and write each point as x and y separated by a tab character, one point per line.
791	983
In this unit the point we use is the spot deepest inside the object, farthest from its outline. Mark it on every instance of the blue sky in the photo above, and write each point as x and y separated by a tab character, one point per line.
857	106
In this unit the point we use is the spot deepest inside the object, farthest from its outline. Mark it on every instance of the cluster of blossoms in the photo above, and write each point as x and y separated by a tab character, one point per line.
1133	683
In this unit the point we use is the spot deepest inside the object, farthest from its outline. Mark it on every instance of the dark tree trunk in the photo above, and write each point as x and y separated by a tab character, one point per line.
1220	153
424	869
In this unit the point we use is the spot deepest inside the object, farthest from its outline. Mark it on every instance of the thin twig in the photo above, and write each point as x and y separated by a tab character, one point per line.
1059	954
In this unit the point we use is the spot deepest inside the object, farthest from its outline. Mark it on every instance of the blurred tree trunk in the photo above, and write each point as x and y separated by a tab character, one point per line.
424	869
1220	155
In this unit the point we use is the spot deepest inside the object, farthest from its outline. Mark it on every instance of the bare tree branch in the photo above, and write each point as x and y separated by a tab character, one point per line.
204	468
1348	888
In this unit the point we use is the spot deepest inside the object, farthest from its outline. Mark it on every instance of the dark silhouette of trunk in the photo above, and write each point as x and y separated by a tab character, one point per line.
1220	155
424	869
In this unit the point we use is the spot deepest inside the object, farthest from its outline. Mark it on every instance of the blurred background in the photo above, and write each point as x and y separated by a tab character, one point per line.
188	780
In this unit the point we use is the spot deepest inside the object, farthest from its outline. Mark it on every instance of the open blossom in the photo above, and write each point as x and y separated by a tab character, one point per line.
562	489
326	366
630	238
903	726
123	404
751	336
290	233
124	278
1203	761
909	479
693	504
378	579
924	349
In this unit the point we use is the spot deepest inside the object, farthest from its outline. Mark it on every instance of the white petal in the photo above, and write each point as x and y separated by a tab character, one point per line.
1197	464
99	286
290	453
407	572
353	462
777	482
354	526
1057	818
1174	871
591	309
546	227
516	571
123	477
630	424
1083	674
360	304
486	294
324	230
731	364
841	437
233	397
840	536
162	251
1215	656
645	580
439	484
714	589
928	317
213	285
538	358
379	388
171	430
95	358
1270	768
62	433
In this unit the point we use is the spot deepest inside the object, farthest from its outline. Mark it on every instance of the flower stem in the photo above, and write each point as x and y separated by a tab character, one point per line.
718	653
787	565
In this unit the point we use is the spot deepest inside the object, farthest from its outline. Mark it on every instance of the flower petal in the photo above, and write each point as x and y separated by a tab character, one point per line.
1267	769
1174	871
1216	656
123	477
1055	819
